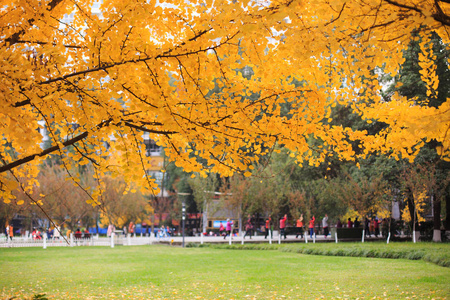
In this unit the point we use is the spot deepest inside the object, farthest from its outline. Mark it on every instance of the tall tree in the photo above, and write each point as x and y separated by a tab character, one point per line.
141	66
428	90
65	202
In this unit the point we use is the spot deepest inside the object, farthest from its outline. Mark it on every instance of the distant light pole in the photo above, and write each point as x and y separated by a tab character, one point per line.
183	212
183	218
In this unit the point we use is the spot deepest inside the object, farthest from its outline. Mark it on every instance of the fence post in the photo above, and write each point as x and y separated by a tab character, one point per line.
362	238
270	236
389	236
231	235
335	237
129	239
71	239
306	239
201	238
314	238
45	240
112	239
242	239
279	237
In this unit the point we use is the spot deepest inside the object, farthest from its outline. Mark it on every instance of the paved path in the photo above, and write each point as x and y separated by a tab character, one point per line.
177	240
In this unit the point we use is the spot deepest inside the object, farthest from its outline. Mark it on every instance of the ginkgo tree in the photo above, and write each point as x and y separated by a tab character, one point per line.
149	66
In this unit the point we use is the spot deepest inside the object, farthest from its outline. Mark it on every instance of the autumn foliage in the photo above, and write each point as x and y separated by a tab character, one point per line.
177	71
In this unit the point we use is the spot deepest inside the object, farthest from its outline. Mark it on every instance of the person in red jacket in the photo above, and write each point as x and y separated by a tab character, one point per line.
299	227
268	227
311	226
350	223
283	226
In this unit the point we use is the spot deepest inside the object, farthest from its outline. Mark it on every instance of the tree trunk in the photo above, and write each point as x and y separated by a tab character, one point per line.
205	216
436	220
240	223
412	212
447	210
152	227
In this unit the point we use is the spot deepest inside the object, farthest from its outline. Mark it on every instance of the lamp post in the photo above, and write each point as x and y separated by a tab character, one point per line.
183	212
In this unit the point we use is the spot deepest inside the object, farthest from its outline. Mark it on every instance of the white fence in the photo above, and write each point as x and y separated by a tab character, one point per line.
94	240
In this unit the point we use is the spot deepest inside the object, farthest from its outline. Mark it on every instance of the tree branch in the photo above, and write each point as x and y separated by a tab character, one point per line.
439	16
334	20
144	59
46	43
43	153
29	158
13	39
149	130
404	6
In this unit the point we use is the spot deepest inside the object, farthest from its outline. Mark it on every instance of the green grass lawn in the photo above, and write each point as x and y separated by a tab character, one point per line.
163	272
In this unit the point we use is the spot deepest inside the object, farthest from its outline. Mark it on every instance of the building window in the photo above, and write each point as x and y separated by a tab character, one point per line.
151	149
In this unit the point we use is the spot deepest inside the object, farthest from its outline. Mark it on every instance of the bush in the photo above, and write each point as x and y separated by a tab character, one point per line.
437	254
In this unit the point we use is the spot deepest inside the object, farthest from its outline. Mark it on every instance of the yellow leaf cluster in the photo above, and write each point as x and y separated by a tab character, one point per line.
226	80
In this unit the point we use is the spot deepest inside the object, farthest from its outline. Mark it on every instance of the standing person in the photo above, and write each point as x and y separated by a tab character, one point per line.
125	230
299	227
111	229
283	226
349	223
366	227
339	224
356	223
50	233
7	231
131	228
268	226
376	225
163	231
229	225
248	227
372	226
311	226
325	225
56	233
11	232
221	229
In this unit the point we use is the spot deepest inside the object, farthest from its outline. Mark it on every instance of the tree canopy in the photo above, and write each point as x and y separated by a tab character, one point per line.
175	70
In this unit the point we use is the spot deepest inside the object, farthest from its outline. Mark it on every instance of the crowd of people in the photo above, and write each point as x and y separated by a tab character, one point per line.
301	227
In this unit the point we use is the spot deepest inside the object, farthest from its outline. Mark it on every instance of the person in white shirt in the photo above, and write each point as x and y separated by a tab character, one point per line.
325	225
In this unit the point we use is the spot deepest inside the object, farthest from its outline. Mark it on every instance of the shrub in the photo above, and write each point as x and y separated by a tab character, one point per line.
437	254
